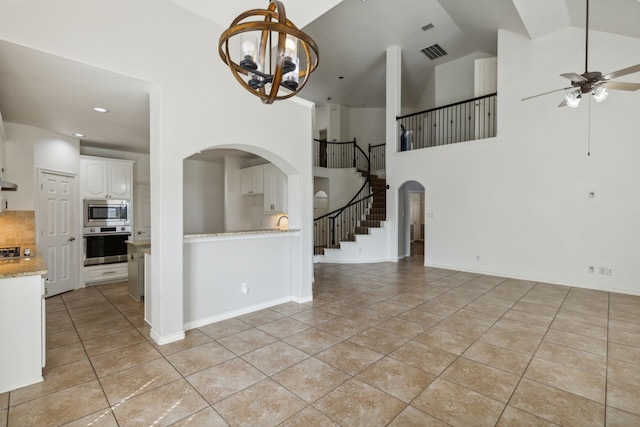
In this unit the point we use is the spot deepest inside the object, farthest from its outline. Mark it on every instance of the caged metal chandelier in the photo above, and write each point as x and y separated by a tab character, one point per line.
269	65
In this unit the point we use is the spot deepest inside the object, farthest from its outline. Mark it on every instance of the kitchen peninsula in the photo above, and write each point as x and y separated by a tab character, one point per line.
22	321
231	273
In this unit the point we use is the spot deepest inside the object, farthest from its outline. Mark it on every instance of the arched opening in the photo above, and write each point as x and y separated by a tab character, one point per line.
411	219
228	190
320	204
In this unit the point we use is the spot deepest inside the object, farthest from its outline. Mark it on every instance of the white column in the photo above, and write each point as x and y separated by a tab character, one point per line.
393	108
166	227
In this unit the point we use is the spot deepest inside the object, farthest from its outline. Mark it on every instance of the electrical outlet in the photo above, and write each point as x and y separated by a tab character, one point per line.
245	288
591	269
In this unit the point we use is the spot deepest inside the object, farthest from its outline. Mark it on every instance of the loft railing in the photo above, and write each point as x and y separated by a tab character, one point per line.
458	122
341	224
336	155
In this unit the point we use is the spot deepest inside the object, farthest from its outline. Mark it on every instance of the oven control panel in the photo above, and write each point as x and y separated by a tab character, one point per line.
116	229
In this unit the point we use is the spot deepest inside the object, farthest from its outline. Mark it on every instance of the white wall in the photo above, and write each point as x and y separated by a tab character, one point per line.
340	185
141	167
203	198
29	148
519	201
454	80
213	291
367	126
194	105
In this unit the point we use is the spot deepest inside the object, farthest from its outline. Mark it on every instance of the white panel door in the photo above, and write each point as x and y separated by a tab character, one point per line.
417	215
485	82
142	212
57	221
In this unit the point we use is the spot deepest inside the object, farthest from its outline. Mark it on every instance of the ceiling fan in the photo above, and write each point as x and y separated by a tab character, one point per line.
593	82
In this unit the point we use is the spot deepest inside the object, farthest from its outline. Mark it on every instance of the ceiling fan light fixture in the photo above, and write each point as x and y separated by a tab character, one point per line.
573	99
600	93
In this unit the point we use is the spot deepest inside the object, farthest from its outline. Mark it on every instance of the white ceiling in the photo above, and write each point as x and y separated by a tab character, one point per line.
57	94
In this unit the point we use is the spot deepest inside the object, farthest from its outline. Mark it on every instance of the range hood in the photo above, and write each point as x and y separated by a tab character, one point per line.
6	185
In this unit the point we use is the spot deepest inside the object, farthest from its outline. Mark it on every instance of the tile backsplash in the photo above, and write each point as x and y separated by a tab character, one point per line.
17	227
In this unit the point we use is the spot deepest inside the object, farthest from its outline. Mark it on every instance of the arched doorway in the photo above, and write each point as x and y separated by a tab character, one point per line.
411	215
320	204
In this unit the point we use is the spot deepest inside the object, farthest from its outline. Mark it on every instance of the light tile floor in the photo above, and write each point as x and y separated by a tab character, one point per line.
384	344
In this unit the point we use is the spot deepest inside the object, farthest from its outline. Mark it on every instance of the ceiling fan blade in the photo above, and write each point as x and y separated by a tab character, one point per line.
622	86
547	93
574	77
623	72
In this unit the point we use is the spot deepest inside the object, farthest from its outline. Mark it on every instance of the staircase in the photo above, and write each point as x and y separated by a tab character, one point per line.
355	232
366	239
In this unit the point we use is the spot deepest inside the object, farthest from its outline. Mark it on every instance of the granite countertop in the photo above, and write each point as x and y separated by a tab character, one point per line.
240	233
18	267
138	242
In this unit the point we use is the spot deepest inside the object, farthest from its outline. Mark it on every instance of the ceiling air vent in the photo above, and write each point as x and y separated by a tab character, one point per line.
434	51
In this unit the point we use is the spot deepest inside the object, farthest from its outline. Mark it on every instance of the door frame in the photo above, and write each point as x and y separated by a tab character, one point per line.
79	283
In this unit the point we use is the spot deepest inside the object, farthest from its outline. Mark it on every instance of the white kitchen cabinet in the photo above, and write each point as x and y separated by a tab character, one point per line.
275	190
103	178
22	331
106	273
252	180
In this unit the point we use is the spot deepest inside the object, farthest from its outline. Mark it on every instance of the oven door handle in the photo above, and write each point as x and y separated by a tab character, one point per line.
107	234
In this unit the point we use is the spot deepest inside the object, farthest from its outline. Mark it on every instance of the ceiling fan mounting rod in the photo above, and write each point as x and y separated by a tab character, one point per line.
586	45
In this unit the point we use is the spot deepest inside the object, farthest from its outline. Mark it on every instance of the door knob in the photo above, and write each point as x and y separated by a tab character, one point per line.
139	232
71	239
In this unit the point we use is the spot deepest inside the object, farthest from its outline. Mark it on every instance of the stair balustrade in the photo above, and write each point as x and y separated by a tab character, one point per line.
449	124
339	155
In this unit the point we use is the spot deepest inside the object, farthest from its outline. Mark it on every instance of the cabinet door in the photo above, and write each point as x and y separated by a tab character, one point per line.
274	190
94	178
120	180
245	181
252	180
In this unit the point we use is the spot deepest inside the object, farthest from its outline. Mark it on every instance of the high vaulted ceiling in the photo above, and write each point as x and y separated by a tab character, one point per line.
54	93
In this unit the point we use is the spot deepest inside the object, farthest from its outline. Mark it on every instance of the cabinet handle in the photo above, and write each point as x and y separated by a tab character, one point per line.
108	272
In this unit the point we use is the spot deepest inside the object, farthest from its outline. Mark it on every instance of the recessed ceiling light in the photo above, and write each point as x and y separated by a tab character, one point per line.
100	110
79	135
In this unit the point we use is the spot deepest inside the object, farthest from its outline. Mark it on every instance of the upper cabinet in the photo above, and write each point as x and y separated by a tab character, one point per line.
275	190
252	180
106	178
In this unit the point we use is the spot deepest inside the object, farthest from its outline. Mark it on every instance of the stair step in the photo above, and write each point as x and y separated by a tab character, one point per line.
370	223
360	230
376	217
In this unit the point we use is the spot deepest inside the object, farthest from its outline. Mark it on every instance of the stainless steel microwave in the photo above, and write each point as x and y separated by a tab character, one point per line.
107	212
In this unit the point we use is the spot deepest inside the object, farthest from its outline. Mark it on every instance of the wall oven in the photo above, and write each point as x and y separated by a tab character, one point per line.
105	245
106	213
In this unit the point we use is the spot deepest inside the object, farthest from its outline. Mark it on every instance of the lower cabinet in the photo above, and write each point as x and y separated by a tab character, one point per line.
105	273
135	266
22	333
